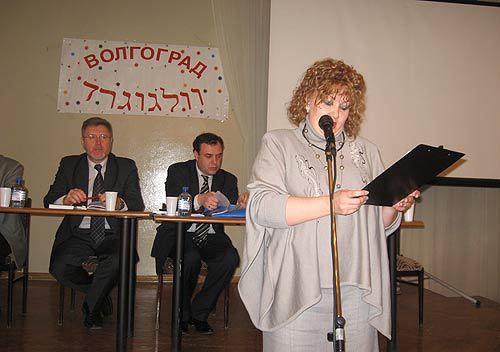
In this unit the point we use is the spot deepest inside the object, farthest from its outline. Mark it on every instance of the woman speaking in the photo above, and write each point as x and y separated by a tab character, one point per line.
286	282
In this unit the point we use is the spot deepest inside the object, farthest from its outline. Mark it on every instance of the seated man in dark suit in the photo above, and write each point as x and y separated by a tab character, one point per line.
79	180
209	243
12	238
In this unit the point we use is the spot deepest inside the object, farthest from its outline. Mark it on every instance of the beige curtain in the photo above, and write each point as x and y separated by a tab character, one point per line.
242	32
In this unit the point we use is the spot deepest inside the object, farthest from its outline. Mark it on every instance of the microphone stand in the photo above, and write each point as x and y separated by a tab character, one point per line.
339	322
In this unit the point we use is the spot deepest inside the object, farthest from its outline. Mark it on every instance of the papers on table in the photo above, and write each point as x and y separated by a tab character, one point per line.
97	205
91	206
225	208
67	207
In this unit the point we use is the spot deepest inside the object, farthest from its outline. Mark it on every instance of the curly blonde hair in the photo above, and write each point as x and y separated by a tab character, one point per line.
326	78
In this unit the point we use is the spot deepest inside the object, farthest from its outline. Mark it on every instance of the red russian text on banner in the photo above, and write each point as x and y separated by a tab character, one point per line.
110	77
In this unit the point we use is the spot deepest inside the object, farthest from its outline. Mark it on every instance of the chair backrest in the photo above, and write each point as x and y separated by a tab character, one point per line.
168	267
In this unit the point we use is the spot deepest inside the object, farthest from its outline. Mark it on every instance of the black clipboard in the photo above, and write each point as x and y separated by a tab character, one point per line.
416	168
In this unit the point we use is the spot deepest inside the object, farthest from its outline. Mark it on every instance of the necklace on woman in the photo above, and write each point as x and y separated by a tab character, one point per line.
305	131
318	156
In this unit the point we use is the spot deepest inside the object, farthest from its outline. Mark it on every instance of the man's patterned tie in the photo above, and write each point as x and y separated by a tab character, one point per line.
96	222
201	232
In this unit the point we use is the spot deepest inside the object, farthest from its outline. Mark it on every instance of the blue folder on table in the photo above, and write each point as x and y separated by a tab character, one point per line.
232	211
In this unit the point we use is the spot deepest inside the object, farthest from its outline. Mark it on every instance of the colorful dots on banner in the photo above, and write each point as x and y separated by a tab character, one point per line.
142	78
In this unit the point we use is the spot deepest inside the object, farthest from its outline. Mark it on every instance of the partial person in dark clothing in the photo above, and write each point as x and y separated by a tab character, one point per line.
13	246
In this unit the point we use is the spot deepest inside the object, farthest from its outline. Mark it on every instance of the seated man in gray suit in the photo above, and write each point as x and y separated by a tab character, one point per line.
79	180
12	239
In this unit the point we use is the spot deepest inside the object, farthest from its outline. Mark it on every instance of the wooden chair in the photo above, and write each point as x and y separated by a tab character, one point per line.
90	265
13	274
168	269
408	267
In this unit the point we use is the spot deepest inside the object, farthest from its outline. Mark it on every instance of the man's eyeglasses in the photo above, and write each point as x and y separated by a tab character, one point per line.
95	137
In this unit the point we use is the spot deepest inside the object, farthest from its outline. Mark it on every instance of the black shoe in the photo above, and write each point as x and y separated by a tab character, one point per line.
107	306
91	320
202	327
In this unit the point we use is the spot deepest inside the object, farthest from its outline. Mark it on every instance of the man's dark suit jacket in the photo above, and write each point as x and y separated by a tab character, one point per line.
185	174
11	226
121	176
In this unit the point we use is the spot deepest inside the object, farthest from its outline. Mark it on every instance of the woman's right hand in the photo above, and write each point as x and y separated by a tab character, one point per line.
349	201
302	209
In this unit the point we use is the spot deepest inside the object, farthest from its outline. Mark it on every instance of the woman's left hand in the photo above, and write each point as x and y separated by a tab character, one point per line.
242	199
405	203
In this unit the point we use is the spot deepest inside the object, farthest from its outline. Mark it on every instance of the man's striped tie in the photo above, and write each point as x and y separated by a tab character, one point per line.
97	231
201	232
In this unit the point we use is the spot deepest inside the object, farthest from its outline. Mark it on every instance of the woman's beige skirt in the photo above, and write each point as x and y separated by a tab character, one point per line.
308	332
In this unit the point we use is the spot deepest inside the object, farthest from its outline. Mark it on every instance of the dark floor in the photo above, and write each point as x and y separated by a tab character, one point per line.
450	324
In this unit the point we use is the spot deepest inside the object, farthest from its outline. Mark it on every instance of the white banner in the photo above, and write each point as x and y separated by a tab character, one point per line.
104	77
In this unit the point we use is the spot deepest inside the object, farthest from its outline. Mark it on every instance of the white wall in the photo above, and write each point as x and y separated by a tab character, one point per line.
431	71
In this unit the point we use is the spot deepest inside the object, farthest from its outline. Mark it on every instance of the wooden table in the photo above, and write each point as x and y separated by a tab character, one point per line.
176	342
392	248
127	276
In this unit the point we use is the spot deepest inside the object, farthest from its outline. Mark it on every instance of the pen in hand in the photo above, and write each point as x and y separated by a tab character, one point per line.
86	199
92	198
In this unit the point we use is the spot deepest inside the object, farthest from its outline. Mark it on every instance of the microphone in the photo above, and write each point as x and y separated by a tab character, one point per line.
326	124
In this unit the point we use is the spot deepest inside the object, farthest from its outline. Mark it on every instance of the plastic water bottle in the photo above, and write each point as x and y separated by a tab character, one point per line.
184	202
19	194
